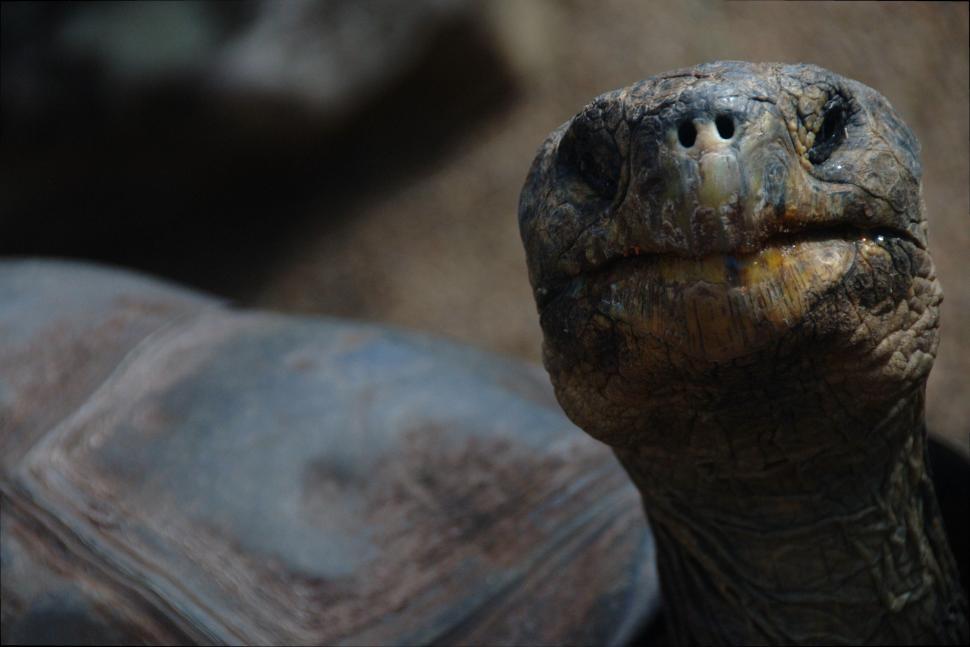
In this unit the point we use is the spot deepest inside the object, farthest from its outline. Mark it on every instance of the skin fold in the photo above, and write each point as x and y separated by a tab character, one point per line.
731	273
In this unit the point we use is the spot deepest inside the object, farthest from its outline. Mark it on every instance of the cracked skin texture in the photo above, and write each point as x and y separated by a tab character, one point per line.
731	273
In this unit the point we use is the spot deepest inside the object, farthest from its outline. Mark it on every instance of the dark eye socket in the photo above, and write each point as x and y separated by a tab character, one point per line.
831	134
591	155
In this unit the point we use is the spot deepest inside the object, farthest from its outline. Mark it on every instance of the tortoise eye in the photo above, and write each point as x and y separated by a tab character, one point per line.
831	134
590	154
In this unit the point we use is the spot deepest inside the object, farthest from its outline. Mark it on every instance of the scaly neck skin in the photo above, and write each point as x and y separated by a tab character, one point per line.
826	550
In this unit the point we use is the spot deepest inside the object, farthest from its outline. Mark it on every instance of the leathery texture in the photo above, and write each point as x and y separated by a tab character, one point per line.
732	279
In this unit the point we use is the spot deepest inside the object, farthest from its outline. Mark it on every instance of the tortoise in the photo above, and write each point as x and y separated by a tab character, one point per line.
730	267
174	470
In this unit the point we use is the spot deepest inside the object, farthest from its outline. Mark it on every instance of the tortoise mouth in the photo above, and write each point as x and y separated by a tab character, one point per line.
733	269
717	307
722	306
746	264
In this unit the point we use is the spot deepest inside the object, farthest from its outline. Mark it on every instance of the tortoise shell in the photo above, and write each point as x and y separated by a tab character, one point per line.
174	470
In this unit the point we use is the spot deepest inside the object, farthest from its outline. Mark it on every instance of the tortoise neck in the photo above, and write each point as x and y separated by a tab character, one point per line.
801	553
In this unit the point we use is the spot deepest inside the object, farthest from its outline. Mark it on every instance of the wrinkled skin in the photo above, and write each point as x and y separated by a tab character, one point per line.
732	279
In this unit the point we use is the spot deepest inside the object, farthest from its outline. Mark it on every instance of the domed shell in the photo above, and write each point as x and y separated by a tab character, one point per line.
173	470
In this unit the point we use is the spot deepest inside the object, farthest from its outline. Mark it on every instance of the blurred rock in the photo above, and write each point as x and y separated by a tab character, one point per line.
182	137
330	55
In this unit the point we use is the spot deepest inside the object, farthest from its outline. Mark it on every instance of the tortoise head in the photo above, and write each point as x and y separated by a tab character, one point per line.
728	237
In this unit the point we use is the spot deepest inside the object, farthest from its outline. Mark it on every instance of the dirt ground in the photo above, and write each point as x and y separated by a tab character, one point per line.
442	252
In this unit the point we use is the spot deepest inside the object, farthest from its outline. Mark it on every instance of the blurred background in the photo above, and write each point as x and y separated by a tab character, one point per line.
364	159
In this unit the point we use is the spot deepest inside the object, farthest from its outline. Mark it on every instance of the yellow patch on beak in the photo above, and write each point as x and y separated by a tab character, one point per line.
721	306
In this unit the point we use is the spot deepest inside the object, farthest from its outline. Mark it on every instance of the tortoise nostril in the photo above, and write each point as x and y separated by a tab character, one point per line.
725	126
687	134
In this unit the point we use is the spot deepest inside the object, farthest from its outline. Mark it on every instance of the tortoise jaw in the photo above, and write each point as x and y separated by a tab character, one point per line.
739	268
720	306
